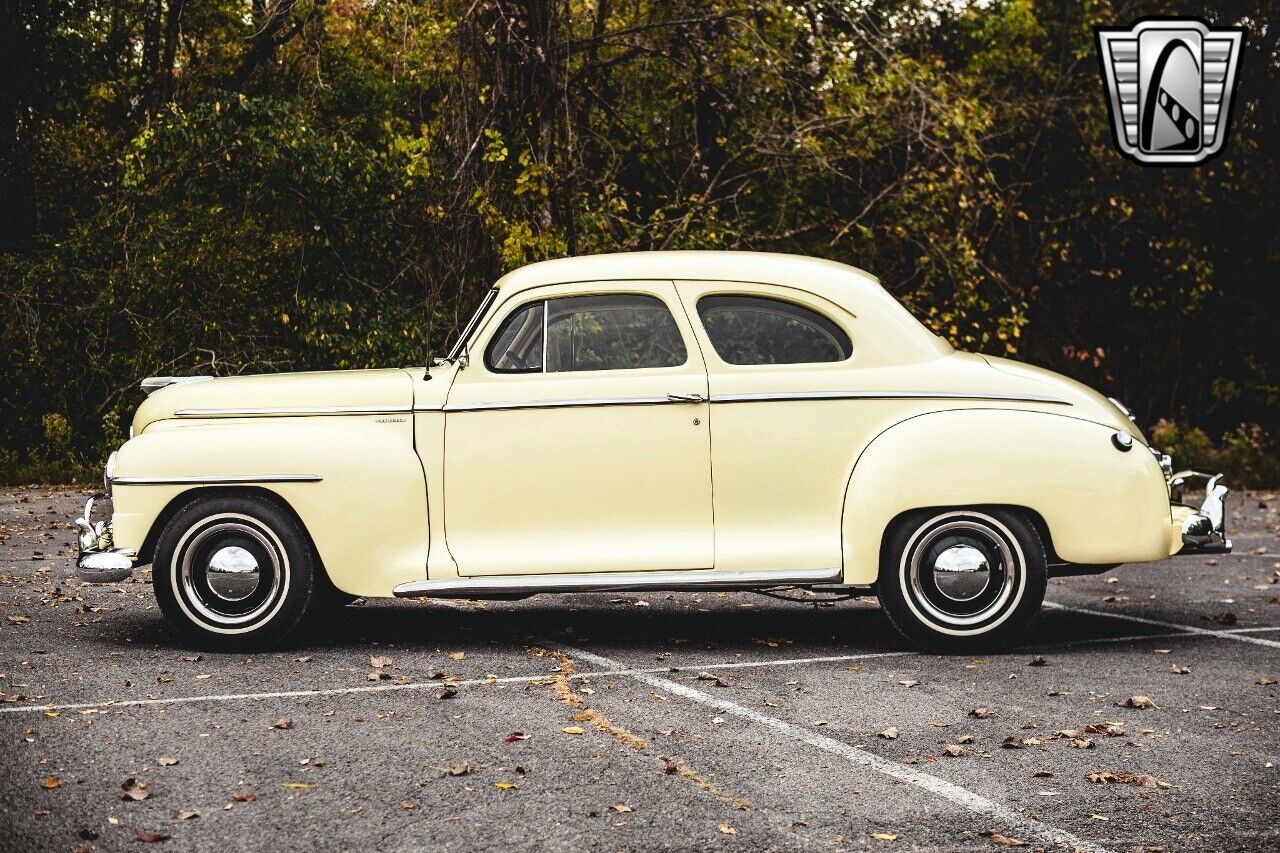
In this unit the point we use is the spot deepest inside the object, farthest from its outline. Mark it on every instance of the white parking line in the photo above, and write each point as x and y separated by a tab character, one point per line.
1190	629
526	679
1011	820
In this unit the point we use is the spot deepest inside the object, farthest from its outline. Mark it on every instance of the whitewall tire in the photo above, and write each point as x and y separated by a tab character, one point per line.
961	579
234	571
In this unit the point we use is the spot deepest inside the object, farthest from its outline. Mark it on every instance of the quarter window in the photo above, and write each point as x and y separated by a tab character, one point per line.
578	333
758	330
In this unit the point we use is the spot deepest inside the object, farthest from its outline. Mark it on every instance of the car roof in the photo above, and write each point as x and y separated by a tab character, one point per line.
758	267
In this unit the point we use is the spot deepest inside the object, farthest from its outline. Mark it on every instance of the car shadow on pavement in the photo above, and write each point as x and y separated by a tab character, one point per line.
762	630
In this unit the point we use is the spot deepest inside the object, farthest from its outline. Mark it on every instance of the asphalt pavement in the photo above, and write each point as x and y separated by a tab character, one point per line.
1141	713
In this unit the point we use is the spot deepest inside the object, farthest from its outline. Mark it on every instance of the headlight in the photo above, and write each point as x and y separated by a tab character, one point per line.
109	473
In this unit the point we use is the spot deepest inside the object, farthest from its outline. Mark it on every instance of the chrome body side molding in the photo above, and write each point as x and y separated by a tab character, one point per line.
216	480
557	404
885	395
520	586
765	397
292	411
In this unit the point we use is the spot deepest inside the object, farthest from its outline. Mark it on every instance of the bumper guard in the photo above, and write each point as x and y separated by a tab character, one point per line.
98	561
1203	531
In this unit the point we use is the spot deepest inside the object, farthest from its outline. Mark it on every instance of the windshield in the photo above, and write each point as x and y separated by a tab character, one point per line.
469	329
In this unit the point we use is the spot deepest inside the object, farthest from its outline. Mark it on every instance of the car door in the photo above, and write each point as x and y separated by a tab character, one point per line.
576	438
782	439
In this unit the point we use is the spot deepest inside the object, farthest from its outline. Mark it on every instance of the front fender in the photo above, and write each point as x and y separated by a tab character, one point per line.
366	513
1100	504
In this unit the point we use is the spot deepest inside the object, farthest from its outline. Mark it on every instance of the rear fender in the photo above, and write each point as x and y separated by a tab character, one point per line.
1099	504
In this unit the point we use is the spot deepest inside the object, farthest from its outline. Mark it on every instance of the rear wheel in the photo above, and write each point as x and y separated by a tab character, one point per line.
962	579
234	571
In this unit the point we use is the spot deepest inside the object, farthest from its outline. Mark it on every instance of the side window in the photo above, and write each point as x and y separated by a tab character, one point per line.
517	348
758	330
613	332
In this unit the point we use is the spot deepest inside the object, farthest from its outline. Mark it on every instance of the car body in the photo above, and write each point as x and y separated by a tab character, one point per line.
663	420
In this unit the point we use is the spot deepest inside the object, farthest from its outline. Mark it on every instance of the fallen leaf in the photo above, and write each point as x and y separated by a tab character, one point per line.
188	814
890	733
727	829
283	723
379	662
244	798
166	761
19	619
1000	840
1082	743
148	837
1108	777
908	682
296	786
191	658
135	789
408	804
462	768
572	730
51	783
379	675
458	655
1013	742
1043	774
621	808
1110	729
515	736
447	692
204	676
1266	679
1138	701
505	786
1038	660
884	836
1179	669
980	713
965	739
953	750
304	659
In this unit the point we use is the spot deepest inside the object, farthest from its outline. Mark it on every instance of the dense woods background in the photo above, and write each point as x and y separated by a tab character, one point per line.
232	186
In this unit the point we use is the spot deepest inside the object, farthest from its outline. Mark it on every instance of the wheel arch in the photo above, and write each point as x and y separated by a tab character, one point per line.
1090	502
1034	518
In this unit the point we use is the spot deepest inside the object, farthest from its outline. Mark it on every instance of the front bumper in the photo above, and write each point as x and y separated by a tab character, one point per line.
1204	529
98	561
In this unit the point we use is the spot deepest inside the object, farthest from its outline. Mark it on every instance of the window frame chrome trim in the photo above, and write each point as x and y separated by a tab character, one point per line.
217	480
570	403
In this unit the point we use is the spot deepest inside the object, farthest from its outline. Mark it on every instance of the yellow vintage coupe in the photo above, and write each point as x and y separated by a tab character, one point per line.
646	421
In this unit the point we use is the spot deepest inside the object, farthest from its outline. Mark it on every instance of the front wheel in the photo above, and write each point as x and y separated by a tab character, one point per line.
962	579
234	571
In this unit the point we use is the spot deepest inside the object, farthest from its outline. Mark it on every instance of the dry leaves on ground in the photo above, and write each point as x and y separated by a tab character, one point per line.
148	837
166	761
884	836
890	733
51	783
1138	701
135	789
188	814
953	750
727	829
462	768
1001	840
980	713
283	724
1108	777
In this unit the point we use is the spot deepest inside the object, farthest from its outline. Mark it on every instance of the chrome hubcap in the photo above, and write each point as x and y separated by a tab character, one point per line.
233	573
961	571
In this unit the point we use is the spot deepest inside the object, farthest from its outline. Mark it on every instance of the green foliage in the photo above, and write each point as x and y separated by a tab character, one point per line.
1246	455
227	187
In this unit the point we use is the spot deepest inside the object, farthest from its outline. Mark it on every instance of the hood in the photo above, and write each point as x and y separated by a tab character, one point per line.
386	389
1088	403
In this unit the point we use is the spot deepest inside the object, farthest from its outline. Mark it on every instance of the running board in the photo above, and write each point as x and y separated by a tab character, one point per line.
521	586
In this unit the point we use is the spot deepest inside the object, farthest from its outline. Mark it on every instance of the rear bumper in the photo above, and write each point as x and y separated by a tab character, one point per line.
98	561
1203	530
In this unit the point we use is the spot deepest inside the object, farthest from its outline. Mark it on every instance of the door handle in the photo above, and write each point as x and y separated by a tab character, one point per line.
686	398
